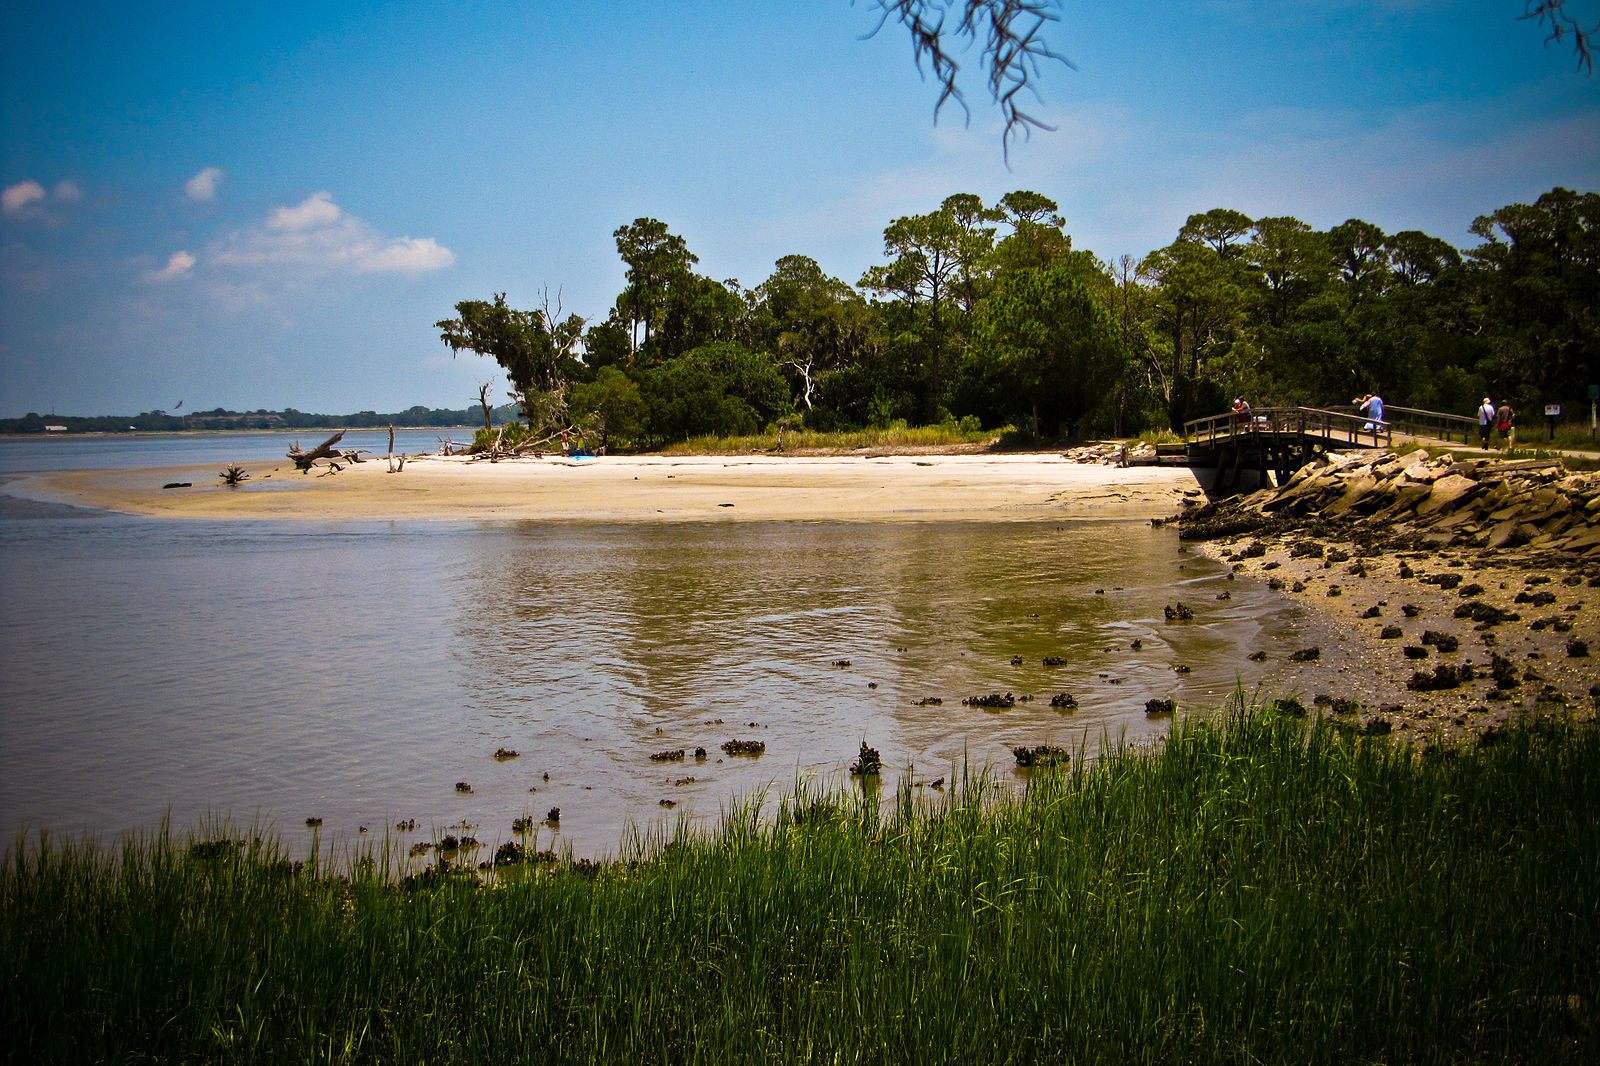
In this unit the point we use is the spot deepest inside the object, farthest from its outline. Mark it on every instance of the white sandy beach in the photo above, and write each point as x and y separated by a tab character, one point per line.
879	488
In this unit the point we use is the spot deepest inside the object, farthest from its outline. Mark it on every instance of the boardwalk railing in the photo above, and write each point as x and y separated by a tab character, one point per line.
1304	422
1416	423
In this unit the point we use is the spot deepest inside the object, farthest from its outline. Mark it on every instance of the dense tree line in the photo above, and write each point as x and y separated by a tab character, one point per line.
987	313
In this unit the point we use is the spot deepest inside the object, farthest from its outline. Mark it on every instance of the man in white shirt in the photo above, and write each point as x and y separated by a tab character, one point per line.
1485	421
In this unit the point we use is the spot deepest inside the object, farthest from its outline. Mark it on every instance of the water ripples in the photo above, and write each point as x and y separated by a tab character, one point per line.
357	671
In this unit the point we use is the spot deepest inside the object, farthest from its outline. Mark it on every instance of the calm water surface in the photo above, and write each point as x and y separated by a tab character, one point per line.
355	672
95	451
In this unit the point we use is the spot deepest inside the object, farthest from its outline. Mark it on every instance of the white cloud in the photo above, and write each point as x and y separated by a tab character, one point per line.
316	237
202	188
29	199
408	255
179	265
314	212
17	199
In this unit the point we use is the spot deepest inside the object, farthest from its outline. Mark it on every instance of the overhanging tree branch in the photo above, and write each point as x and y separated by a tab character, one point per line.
1014	48
1012	33
1562	25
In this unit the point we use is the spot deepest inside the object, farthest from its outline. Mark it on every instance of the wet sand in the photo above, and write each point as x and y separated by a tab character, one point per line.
877	488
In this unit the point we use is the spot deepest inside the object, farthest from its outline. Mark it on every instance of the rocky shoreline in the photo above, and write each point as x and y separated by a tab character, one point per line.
1461	593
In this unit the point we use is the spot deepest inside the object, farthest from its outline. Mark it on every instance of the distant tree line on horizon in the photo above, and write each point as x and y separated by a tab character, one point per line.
986	313
221	418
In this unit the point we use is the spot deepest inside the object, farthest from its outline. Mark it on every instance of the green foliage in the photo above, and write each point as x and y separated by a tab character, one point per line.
1043	348
612	407
1539	295
658	261
988	312
534	349
1253	890
896	434
509	436
722	389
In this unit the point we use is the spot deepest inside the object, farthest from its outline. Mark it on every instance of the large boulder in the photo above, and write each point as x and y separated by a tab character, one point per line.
1403	496
1351	491
1448	492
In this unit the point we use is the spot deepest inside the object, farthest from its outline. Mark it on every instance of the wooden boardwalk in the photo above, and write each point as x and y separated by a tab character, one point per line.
1277	441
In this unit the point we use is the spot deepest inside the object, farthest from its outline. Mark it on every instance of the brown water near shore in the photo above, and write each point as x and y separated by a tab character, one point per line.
355	672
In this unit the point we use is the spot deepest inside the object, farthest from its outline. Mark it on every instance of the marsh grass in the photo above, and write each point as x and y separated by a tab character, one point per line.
802	440
1255	889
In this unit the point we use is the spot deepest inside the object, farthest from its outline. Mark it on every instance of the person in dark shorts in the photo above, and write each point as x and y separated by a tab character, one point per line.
1486	421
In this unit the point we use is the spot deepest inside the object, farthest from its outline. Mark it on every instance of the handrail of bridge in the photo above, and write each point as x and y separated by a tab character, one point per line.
1437	424
1302	421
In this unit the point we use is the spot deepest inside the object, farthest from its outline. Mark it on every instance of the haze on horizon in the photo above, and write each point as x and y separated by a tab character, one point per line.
270	206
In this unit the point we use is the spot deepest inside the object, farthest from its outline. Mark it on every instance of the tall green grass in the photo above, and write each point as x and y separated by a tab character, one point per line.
895	436
1253	890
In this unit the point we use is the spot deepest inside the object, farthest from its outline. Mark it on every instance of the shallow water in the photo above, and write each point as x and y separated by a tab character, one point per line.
95	451
271	672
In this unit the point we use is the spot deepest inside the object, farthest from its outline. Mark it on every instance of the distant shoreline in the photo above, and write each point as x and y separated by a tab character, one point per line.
301	431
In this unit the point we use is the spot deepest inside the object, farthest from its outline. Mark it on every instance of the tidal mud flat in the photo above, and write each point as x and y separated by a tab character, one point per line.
1464	592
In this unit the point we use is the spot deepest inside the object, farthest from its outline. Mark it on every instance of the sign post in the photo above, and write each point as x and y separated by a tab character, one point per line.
1552	411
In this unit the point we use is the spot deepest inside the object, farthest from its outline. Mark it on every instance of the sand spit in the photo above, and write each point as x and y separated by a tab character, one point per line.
1032	487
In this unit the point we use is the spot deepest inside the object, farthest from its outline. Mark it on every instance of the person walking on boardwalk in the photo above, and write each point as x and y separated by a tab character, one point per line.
1486	422
1371	405
1506	419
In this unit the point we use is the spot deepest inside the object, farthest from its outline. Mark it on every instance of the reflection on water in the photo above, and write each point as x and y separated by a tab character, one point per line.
356	672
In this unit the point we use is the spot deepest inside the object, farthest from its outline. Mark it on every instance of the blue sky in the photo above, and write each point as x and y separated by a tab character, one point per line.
269	205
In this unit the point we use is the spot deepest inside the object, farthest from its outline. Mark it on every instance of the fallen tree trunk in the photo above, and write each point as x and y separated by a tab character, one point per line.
325	450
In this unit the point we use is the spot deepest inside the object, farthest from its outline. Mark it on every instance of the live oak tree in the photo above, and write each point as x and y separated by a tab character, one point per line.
1196	307
611	406
536	348
724	389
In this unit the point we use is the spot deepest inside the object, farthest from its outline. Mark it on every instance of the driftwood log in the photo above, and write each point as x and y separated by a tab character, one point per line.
497	449
326	450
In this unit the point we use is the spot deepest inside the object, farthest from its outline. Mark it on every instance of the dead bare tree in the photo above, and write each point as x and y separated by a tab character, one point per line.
393	469
483	402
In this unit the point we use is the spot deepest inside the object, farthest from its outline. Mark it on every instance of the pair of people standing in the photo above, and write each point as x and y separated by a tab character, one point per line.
1370	405
1503	418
